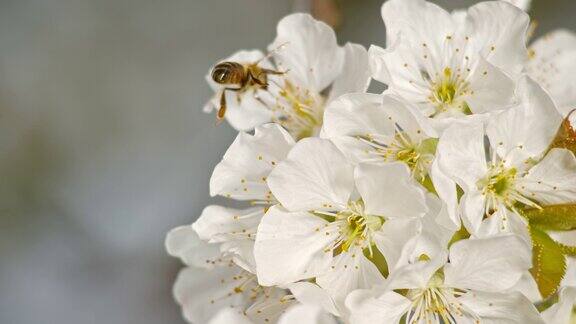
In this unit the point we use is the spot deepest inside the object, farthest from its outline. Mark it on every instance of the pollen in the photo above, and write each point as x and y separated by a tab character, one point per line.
448	91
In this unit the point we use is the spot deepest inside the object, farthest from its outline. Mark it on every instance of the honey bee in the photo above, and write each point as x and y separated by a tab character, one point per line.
240	77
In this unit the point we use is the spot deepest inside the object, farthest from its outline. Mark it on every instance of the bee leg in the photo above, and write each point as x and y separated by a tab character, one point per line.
274	72
261	84
222	110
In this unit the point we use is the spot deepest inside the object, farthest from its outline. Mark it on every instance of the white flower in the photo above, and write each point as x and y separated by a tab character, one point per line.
451	65
301	314
334	217
563	312
241	175
375	129
307	53
212	281
522	4
371	128
551	63
470	285
519	171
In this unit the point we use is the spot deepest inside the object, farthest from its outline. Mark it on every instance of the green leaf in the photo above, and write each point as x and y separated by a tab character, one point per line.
567	249
548	262
566	136
552	217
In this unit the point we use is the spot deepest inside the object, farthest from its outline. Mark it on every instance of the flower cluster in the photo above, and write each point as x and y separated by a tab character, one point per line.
448	198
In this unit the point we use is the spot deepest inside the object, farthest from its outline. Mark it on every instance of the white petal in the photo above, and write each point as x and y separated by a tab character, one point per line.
242	253
230	316
368	307
201	293
437	222
473	210
498	31
389	190
402	71
393	236
350	270
461	154
378	66
305	314
552	65
504	221
492	264
522	4
496	308
234	228
561	312
564	237
355	75
528	287
269	305
357	114
243	170
570	276
315	175
412	272
408	117
311	294
247	110
553	180
414	18
446	189
441	124
493	89
290	247
183	242
526	130
309	51
219	224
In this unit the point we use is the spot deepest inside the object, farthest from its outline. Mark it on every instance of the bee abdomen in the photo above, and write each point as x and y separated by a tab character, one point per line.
228	73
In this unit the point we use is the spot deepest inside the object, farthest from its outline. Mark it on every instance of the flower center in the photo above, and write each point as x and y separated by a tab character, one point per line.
499	180
437	303
417	155
301	110
499	187
356	227
448	92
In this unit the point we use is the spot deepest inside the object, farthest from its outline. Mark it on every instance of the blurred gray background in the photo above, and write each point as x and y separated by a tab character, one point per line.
104	148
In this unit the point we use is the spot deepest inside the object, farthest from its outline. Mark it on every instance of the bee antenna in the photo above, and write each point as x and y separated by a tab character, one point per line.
272	52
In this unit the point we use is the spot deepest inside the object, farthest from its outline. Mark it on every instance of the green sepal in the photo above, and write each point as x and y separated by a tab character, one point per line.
427	183
376	257
552	217
548	262
459	235
428	146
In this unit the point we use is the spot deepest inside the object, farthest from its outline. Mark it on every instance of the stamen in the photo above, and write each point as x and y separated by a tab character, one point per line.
500	189
437	303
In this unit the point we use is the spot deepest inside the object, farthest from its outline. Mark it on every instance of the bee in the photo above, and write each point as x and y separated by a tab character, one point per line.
240	77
